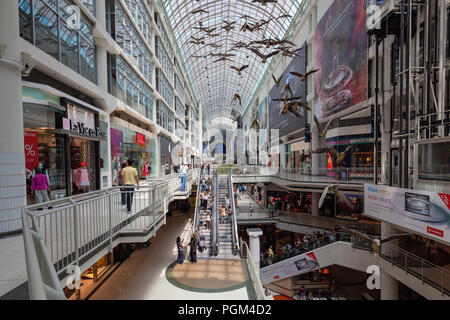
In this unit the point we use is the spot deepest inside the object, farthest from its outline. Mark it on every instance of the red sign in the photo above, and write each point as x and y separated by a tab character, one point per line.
140	139
446	198
31	142
312	255
435	231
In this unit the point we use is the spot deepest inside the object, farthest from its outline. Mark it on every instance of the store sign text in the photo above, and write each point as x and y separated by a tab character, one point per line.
81	128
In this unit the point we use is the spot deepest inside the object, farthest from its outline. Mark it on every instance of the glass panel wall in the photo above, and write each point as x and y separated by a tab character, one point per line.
45	25
142	18
163	58
164	117
127	86
179	108
164	88
130	41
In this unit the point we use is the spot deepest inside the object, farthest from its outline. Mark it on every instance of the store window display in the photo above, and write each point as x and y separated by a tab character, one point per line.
44	150
83	166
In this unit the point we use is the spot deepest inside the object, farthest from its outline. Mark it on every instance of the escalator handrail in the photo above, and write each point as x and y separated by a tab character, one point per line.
214	231
234	231
197	203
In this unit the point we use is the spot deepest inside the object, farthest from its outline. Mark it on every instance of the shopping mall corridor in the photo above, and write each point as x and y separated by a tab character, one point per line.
150	273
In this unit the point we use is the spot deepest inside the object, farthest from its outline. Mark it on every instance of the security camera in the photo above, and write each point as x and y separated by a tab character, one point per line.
2	50
27	63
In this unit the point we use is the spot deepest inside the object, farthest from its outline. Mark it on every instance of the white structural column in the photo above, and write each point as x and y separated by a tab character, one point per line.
389	287
12	158
102	65
315	197
254	234
318	159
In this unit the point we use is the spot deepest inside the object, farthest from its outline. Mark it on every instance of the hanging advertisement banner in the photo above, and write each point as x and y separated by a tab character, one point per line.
289	268
287	122
424	212
340	54
31	143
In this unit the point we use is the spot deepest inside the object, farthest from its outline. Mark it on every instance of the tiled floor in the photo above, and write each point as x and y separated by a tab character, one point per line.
143	275
13	270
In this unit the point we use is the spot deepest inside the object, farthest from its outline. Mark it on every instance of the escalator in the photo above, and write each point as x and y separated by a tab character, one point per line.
221	240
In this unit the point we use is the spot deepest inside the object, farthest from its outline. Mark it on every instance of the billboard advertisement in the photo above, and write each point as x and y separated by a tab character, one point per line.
295	266
289	122
340	54
424	212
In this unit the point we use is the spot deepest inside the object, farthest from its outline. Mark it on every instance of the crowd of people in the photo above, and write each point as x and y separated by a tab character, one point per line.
308	242
207	201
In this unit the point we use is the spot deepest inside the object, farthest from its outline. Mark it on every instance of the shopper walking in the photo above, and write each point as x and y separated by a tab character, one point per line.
193	248
40	186
118	180
272	211
129	180
183	176
251	209
180	249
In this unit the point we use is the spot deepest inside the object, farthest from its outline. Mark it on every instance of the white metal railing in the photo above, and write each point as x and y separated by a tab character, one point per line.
43	283
426	124
72	230
352	175
422	269
253	273
233	217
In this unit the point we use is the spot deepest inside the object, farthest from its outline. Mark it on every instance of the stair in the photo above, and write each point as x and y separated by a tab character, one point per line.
225	235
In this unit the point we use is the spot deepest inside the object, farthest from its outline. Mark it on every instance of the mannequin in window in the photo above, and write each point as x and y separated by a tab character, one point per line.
82	178
40	168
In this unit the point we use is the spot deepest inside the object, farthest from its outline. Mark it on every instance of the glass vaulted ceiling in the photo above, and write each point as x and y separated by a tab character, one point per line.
216	82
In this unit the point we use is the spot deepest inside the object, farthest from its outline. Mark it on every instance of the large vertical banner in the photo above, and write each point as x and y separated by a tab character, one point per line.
287	123
424	212
31	144
340	54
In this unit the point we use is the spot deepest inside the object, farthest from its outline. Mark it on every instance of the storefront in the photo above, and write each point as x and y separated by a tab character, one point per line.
62	140
301	157
301	202
84	134
129	142
45	148
166	147
358	163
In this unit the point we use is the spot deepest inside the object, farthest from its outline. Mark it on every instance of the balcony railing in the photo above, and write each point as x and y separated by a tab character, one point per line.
71	231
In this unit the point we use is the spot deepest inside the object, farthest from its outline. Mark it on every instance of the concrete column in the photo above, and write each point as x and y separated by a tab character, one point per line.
389	287
12	158
102	68
318	166
315	197
282	156
254	234
100	12
385	144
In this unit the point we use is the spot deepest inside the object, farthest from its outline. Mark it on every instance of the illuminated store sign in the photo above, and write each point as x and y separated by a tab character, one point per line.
82	129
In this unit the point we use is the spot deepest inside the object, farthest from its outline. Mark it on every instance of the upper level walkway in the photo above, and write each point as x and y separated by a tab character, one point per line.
85	227
295	221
